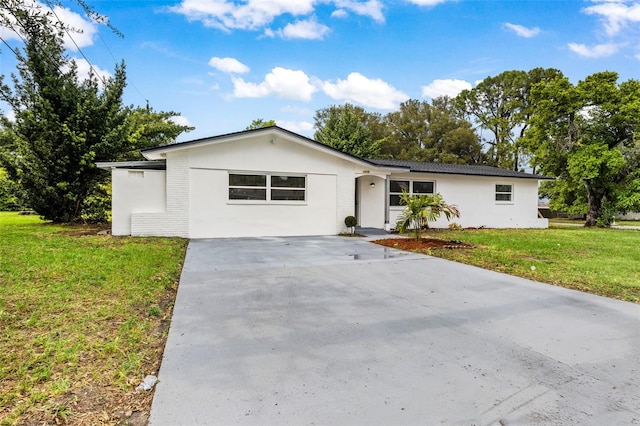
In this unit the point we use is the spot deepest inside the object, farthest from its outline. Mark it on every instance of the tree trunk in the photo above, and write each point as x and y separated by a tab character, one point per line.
594	208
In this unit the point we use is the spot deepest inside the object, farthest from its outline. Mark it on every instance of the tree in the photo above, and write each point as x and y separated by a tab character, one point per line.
10	197
421	209
435	132
584	134
63	125
345	128
500	105
259	123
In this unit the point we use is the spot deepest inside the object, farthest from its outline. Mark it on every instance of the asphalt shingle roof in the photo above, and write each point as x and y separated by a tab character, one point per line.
455	169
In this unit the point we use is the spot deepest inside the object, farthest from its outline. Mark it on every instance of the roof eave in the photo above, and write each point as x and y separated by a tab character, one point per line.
159	152
150	165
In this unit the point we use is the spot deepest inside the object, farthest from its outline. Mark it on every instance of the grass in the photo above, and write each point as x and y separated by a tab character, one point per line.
599	261
82	319
564	221
628	222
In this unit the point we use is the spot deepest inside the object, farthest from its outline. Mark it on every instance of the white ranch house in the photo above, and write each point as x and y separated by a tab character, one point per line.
273	182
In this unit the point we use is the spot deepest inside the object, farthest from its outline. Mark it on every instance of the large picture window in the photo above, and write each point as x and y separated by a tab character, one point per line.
413	187
266	187
504	193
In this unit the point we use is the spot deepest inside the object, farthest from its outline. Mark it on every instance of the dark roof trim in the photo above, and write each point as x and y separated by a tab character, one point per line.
411	166
457	169
257	131
134	165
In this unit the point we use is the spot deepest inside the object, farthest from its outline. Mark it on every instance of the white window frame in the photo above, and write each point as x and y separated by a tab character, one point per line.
268	188
498	193
411	192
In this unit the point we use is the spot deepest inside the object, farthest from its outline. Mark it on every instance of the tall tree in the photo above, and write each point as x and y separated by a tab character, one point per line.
585	134
259	123
63	124
501	107
346	128
435	132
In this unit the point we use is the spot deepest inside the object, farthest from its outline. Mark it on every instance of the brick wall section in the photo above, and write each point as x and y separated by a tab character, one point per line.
175	221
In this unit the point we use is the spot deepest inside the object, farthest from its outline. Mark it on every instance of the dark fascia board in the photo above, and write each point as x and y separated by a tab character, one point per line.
270	129
392	166
458	169
138	165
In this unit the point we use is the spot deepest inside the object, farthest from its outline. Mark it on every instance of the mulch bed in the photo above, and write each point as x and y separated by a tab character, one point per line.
411	244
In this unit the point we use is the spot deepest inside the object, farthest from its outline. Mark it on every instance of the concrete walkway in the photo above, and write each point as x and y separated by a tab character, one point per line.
330	330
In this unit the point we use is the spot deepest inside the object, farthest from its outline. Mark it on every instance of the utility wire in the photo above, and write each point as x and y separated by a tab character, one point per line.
115	60
10	48
64	27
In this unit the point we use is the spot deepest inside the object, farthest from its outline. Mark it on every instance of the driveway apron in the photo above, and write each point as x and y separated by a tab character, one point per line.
336	331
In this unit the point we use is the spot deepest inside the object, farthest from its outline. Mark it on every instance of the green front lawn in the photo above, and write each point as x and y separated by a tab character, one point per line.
83	319
599	261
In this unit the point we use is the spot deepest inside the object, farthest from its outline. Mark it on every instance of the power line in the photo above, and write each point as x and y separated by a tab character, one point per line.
10	48
64	27
115	60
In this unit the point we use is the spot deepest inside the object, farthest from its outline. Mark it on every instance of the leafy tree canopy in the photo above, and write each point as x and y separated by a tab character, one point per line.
585	134
63	124
434	132
344	128
501	107
259	123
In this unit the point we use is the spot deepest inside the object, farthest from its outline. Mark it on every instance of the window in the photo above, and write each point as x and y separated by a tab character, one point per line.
288	188
247	187
504	193
413	187
264	187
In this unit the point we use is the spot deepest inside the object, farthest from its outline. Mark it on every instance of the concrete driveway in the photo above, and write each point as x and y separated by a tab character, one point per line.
331	330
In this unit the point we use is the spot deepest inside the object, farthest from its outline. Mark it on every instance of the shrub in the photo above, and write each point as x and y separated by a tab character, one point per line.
351	222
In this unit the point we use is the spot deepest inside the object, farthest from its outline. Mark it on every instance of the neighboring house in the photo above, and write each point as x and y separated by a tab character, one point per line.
273	182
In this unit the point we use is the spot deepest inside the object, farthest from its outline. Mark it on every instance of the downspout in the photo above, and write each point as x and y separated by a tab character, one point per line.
387	189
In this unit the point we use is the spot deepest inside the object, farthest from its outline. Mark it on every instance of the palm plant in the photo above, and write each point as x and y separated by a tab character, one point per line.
421	209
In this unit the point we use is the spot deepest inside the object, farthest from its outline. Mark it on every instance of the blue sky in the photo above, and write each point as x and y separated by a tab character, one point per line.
223	63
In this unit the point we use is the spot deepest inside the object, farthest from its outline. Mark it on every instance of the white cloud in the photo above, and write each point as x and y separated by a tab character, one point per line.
84	70
615	14
309	29
427	2
446	87
373	93
597	51
81	30
339	13
370	8
522	31
249	15
256	14
280	82
228	65
296	126
10	115
180	120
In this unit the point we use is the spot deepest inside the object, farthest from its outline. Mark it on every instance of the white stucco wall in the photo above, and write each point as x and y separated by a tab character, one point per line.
475	198
212	214
330	190
135	191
